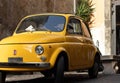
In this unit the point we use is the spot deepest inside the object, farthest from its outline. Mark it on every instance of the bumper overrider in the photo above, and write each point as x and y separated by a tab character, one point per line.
25	65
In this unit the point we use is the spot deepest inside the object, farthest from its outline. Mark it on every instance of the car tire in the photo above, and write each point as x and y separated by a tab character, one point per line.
93	72
2	77
59	71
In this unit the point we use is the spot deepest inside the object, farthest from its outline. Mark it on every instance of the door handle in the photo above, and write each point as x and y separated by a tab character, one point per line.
82	41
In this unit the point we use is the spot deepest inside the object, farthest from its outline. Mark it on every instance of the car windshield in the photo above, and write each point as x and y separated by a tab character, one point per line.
53	23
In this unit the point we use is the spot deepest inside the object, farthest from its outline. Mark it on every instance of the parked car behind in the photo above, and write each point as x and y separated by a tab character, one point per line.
52	44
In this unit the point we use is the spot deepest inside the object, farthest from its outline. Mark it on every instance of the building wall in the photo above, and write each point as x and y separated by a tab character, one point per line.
102	29
99	6
98	29
11	11
108	27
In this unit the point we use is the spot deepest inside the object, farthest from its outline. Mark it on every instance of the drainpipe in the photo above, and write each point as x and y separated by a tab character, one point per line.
74	6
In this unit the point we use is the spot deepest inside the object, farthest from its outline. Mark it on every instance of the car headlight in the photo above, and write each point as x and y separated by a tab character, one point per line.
39	50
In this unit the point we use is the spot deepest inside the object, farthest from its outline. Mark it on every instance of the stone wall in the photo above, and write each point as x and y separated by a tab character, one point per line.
108	26
11	11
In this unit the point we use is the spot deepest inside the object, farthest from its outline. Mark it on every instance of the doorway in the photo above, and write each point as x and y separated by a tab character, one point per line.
117	29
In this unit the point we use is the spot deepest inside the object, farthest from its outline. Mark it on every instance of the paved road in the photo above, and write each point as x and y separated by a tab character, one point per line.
107	76
74	78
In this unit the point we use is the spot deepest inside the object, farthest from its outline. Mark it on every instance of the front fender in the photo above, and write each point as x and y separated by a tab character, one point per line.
55	55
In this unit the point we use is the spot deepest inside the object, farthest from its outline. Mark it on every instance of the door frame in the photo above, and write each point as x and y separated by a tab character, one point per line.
113	28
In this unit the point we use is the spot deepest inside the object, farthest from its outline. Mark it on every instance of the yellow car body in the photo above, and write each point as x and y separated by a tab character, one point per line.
19	52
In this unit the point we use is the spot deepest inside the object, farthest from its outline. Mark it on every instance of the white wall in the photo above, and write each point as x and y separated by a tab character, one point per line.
98	35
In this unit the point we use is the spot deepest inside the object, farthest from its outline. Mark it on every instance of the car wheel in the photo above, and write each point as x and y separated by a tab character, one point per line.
2	77
59	71
93	72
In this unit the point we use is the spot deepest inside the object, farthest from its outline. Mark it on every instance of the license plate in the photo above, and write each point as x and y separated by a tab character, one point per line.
15	60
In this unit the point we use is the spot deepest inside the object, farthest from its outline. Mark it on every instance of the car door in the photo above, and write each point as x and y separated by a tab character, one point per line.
74	39
88	46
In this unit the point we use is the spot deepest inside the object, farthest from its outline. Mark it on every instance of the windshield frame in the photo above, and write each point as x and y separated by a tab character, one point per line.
63	26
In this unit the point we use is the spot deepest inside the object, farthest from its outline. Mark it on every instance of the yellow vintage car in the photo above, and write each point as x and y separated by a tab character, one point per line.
50	43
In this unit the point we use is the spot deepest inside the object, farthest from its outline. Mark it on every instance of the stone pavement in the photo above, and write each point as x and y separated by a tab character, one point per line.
20	77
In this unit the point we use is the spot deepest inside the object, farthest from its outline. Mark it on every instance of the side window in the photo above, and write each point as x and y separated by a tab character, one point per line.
85	29
74	26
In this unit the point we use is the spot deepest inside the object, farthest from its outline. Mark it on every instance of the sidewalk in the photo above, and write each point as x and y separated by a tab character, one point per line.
109	63
21	77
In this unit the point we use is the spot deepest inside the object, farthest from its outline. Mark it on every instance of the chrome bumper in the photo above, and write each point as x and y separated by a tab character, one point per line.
25	65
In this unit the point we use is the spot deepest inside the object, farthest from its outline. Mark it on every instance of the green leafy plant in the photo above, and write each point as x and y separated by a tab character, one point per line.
85	10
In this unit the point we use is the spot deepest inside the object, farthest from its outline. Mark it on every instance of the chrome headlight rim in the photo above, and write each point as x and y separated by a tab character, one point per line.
39	50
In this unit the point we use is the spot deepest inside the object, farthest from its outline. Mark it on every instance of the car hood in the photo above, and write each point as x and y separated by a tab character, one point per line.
33	38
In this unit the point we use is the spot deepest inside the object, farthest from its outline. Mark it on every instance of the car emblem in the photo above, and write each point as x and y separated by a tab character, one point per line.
14	52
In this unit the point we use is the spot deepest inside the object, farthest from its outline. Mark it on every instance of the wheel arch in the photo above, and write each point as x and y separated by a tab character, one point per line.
56	55
97	57
64	54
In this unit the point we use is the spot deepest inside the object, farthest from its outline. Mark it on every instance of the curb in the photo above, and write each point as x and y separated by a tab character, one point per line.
110	58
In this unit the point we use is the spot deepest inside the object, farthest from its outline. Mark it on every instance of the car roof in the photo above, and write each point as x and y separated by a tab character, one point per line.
61	14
